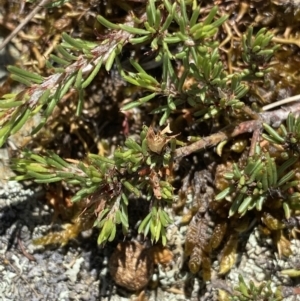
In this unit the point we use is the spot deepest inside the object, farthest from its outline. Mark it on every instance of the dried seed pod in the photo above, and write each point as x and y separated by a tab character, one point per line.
192	235
195	259
218	234
156	142
131	265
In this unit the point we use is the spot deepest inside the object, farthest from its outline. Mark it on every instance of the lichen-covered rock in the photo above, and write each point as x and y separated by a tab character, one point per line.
131	265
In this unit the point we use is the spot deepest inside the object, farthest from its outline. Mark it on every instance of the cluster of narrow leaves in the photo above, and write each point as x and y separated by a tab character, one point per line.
178	42
259	180
106	185
43	94
256	53
212	90
252	292
286	138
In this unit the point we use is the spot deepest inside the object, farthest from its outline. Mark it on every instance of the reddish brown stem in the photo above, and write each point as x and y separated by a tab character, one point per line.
273	118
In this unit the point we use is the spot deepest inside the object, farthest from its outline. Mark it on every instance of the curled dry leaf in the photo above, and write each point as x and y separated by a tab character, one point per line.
206	267
161	254
228	255
131	265
272	222
218	234
283	245
154	180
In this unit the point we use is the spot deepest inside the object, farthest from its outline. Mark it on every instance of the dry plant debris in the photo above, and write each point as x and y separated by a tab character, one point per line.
131	265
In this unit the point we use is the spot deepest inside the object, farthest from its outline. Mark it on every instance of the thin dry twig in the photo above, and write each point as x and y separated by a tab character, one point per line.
281	102
39	6
24	252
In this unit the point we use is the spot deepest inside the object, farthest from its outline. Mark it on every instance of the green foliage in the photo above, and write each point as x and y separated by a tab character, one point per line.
156	221
257	52
257	181
287	136
183	42
252	292
113	182
214	90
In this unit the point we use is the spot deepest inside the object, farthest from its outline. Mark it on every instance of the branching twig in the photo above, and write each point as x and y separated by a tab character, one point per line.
273	118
